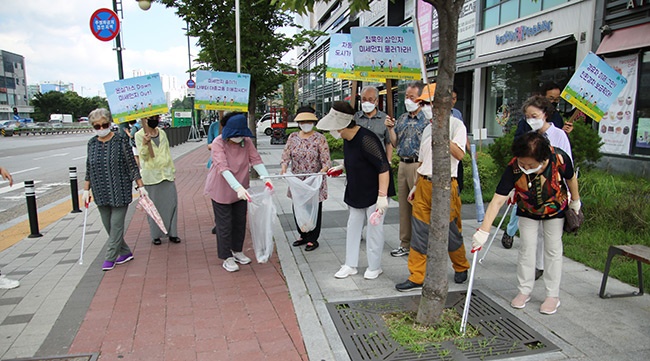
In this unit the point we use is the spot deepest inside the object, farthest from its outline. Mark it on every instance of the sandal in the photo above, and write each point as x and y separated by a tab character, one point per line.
311	246
299	242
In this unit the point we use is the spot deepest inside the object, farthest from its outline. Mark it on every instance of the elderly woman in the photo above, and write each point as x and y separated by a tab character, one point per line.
110	172
158	175
307	152
539	175
233	153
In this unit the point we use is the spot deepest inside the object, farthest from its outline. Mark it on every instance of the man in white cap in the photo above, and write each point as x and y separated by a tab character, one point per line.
368	187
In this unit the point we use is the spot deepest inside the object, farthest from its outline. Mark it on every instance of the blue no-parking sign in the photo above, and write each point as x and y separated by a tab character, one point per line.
104	24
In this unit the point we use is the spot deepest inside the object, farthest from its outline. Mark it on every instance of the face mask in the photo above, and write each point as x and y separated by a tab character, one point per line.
427	111
410	105
335	134
530	171
367	107
102	132
152	122
237	139
535	123
306	127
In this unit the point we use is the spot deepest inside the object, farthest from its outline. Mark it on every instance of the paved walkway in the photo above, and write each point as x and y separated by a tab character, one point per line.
175	302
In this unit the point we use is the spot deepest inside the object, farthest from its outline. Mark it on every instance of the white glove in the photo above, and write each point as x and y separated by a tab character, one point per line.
143	192
85	197
478	239
335	171
575	205
511	197
382	204
269	185
411	195
242	194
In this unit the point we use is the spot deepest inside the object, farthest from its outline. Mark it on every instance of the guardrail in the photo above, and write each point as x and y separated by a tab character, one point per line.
8	132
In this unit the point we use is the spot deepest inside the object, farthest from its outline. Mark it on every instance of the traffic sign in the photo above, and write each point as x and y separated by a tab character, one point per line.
104	24
191	83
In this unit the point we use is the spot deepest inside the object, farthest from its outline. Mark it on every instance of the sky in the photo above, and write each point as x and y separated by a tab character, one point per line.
54	37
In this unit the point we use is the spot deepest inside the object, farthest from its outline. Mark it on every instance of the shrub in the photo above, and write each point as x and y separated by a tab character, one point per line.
585	145
500	150
488	175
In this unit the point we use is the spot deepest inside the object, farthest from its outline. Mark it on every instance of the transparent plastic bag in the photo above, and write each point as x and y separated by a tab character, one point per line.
261	212
305	194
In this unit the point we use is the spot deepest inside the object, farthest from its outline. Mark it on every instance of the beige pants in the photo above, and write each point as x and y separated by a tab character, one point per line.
406	175
528	229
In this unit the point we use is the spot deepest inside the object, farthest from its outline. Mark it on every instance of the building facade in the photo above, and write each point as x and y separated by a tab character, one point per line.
13	86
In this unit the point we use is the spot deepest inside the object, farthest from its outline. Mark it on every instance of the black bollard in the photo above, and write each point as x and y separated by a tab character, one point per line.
74	190
30	195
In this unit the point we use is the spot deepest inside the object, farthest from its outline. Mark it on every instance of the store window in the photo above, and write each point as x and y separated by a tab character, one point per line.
497	12
641	145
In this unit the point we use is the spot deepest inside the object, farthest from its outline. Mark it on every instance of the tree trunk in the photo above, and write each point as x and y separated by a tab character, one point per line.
435	288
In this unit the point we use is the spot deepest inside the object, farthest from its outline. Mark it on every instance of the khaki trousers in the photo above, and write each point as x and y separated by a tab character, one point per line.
528	229
406	175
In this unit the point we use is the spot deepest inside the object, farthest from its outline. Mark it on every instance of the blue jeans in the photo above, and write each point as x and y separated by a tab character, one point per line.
513	225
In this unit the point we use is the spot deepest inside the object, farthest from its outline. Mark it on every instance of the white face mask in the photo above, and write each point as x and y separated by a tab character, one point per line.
237	139
367	107
427	111
530	171
535	123
306	127
102	132
335	134
410	105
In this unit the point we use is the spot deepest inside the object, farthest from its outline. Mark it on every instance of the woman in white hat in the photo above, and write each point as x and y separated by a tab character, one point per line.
369	184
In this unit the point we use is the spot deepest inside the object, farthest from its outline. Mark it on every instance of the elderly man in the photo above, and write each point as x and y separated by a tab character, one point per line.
405	135
372	118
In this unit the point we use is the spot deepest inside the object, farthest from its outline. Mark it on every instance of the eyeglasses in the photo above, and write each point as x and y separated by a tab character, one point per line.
553	99
101	126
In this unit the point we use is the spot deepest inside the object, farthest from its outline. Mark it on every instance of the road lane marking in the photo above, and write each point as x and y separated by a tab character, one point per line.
24	170
52	156
79	158
15	187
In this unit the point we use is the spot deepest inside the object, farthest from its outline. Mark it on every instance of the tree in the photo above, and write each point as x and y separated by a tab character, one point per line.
435	288
262	46
64	103
186	103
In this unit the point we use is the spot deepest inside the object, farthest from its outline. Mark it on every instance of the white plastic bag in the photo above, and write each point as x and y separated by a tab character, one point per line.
261	212
305	194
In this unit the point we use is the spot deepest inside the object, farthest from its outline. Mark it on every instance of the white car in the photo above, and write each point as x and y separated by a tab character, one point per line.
264	125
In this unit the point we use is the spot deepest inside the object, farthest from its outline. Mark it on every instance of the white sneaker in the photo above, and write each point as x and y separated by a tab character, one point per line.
240	257
371	275
7	284
230	265
345	271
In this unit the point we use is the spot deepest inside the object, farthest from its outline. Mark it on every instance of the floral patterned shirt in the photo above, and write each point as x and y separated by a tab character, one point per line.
309	155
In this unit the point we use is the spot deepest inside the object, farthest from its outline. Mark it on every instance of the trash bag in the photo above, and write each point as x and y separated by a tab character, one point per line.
305	194
261	212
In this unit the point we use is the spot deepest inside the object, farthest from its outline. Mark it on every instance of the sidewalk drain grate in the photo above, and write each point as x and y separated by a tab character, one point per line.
365	336
82	357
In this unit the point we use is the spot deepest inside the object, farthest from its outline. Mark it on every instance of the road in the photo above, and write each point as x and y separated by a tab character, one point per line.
45	159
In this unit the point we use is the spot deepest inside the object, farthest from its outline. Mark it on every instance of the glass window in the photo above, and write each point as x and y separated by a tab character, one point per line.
547	4
641	144
529	7
509	11
491	18
489	3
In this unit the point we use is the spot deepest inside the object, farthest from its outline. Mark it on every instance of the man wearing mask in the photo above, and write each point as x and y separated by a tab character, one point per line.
372	118
552	92
406	134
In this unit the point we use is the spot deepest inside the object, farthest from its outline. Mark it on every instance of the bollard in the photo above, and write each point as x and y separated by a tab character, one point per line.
30	195
74	190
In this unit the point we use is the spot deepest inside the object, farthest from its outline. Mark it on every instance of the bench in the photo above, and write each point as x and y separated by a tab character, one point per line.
636	252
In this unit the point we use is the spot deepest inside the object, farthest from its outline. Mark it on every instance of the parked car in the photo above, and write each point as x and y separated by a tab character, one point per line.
264	124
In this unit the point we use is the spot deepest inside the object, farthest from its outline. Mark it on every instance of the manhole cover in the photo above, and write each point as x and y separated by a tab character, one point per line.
83	357
365	336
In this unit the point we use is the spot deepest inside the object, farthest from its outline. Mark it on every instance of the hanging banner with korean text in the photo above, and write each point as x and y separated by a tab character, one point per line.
340	62
594	87
616	128
219	90
134	98
386	52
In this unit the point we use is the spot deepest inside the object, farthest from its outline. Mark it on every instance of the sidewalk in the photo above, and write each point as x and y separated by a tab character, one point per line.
175	302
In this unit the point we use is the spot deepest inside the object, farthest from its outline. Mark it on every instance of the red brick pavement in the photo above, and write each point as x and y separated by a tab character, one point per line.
176	302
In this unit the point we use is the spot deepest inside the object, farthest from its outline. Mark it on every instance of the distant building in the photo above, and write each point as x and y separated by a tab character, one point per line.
58	86
13	86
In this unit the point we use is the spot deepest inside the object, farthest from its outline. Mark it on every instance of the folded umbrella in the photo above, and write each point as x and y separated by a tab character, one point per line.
147	204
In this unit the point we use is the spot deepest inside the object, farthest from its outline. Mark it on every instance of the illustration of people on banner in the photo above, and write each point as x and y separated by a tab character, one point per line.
340	62
134	98
385	52
219	90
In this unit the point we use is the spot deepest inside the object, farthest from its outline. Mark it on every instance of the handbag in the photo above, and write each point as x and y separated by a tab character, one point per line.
573	220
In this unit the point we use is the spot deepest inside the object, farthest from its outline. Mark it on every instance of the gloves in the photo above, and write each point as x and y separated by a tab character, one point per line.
575	205
242	194
478	239
143	192
511	197
86	198
411	195
382	204
269	185
335	171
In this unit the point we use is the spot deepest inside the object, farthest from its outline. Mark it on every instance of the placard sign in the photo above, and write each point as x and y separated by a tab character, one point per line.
594	87
340	62
617	126
134	98
386	52
219	90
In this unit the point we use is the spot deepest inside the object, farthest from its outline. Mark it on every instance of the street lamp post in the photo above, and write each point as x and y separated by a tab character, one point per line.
118	39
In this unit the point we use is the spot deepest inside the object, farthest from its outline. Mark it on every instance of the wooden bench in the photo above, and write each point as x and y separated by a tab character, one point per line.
637	252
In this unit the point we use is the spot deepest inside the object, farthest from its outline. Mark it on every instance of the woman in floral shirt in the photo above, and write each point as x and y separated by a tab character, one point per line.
308	152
